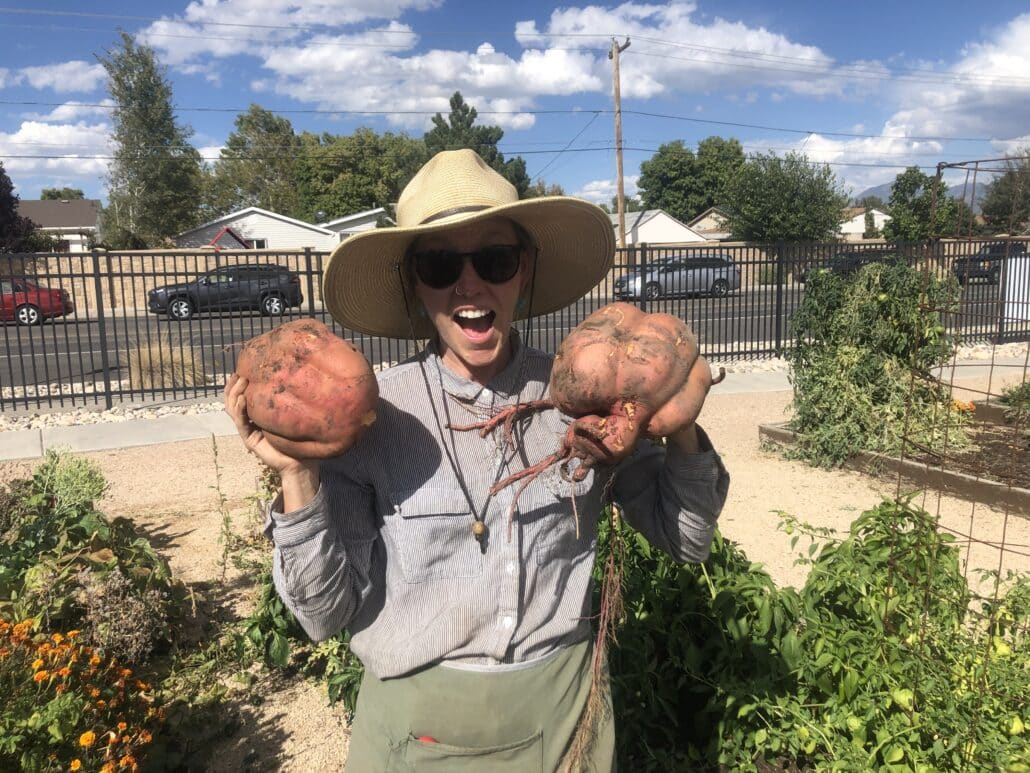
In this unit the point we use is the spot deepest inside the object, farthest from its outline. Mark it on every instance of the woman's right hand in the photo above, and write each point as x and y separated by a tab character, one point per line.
300	477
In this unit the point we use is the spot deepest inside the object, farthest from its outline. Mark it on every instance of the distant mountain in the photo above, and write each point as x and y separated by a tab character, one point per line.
955	191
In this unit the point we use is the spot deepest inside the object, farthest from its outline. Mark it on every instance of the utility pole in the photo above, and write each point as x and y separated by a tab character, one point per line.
613	54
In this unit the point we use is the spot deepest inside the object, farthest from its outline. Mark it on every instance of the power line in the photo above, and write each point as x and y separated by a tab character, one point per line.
547	166
566	111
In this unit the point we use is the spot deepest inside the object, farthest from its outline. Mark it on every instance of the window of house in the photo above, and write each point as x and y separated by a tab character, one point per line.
61	245
259	244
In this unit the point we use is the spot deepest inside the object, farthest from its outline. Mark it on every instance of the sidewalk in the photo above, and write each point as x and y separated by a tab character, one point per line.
32	443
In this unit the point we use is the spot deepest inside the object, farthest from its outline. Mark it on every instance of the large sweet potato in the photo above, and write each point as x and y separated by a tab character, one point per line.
311	392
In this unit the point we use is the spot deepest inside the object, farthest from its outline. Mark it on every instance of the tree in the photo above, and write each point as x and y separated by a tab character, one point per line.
784	199
871	231
15	230
632	204
61	194
540	188
154	181
457	131
911	202
339	175
1006	207
685	184
872	202
257	166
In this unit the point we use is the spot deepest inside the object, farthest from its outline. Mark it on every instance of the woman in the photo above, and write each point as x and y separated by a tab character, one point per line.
476	643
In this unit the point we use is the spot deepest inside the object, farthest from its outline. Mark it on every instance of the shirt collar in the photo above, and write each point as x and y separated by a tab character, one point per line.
504	384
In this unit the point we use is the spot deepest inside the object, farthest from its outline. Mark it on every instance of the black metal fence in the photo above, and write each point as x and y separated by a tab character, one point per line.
101	340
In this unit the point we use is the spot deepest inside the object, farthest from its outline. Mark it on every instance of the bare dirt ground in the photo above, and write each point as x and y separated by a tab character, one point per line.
175	492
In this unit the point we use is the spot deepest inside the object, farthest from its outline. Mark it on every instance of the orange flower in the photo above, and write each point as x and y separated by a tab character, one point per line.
94	693
64	671
125	739
87	739
122	726
108	767
58	638
40	676
60	688
145	736
127	761
95	660
73	634
101	703
126	673
76	764
141	685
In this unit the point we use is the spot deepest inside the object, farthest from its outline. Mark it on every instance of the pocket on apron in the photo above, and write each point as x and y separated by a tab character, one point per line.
525	756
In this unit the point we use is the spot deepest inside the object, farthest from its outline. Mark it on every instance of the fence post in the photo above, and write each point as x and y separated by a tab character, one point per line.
642	268
98	287
780	273
311	280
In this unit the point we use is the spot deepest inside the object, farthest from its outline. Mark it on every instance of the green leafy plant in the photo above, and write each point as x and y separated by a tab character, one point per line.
67	706
861	365
1016	402
56	539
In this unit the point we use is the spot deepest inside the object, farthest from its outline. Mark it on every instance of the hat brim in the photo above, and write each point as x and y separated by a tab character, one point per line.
364	283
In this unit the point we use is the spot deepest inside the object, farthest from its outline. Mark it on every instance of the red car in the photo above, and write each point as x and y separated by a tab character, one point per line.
28	303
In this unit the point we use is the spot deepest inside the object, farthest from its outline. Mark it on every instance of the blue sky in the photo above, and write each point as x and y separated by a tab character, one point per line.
868	87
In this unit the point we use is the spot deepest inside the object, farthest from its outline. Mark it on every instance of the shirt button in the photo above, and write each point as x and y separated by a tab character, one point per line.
508	621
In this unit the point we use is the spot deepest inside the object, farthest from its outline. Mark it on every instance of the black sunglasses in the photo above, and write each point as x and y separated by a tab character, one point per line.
496	264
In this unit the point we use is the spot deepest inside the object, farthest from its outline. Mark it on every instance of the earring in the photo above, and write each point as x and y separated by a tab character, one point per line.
519	305
422	311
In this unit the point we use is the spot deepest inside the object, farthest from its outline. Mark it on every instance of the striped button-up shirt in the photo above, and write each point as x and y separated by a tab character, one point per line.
386	547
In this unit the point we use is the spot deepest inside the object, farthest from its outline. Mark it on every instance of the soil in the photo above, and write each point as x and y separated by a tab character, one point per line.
1001	453
181	493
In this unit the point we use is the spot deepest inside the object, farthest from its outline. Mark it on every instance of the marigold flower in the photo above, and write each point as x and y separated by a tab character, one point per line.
61	688
125	739
127	761
64	671
95	660
87	739
108	767
94	693
76	764
101	703
4	652
122	725
141	685
37	664
40	676
73	634
145	736
58	638
126	673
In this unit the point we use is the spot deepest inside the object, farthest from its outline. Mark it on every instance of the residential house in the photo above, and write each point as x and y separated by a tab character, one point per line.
713	224
262	230
356	223
71	223
655	226
854	226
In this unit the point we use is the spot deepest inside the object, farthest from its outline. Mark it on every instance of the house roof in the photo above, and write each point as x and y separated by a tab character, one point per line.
233	216
216	242
61	213
850	213
637	219
356	217
710	211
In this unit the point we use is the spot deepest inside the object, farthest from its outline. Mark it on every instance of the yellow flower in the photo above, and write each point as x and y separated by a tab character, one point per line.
73	634
37	664
127	761
76	765
87	739
40	676
108	767
57	638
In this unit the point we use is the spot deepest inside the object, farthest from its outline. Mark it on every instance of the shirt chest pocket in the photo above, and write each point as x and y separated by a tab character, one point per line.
432	531
553	517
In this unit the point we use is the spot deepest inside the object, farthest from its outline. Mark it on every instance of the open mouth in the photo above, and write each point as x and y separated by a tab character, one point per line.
475	321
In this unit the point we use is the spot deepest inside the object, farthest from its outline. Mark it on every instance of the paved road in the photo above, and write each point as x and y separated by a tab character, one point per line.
74	348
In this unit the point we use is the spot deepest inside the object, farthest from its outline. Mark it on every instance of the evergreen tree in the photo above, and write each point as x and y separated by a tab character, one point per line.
154	181
16	231
1006	207
457	131
913	217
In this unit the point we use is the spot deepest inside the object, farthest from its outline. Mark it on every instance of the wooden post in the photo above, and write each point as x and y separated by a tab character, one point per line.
613	54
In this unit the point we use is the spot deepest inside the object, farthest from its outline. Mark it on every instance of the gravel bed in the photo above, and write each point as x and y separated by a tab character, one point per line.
87	415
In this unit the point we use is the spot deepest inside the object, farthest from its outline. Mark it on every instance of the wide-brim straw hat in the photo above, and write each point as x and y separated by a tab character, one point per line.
367	288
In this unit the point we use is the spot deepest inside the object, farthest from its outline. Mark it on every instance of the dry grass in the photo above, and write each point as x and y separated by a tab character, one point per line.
162	364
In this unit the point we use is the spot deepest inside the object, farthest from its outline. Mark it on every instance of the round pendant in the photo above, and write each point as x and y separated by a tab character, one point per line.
478	529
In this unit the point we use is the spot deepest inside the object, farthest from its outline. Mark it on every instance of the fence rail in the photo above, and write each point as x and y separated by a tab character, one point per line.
110	348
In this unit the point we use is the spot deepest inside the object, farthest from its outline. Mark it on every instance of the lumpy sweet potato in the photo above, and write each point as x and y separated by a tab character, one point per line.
311	392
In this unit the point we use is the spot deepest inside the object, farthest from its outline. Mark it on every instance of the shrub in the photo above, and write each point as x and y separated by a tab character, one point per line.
161	364
861	365
1016	402
67	706
56	537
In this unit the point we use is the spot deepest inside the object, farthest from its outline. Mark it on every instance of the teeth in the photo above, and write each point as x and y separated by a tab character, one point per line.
472	313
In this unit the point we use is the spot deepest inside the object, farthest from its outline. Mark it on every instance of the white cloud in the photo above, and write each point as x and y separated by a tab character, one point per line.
31	152
72	111
602	191
65	77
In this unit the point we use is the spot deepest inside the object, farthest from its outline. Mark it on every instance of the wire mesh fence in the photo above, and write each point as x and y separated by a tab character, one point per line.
101	328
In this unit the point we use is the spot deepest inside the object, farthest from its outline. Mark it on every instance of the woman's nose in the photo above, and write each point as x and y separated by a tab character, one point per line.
469	282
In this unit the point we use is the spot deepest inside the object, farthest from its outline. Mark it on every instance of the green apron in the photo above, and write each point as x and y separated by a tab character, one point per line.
445	719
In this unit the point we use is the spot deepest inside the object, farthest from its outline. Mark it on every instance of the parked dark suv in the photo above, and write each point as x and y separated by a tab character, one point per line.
268	289
986	263
848	262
